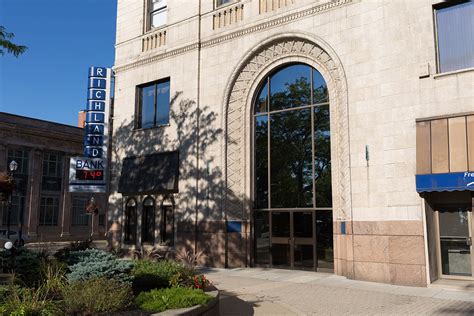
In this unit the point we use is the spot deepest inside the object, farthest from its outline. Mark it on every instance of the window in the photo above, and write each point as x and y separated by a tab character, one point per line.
167	222
21	157
148	220
157	13
52	172
455	35
154	104
130	225
292	140
21	181
79	215
222	2
49	210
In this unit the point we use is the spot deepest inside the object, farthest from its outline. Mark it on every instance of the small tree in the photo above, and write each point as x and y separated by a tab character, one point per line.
6	44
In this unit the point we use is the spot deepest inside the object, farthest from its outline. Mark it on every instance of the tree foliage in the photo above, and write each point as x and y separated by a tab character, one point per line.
7	45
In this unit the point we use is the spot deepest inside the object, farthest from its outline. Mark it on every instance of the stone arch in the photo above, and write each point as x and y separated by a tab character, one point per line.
240	90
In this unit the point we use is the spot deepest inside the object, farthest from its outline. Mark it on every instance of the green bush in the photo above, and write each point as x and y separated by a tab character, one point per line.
64	253
97	296
29	301
27	266
149	275
160	300
94	263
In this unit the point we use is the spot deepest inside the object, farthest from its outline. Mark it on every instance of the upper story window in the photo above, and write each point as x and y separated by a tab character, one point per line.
222	2
52	172
154	104
455	35
158	11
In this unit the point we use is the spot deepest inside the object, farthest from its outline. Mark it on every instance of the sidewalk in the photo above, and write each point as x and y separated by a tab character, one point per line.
259	291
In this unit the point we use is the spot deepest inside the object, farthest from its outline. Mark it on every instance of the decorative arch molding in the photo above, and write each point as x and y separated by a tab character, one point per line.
240	89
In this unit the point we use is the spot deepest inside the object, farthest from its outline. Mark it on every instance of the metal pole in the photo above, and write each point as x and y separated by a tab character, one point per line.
9	215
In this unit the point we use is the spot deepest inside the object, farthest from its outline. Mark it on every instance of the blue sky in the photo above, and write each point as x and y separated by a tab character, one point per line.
64	38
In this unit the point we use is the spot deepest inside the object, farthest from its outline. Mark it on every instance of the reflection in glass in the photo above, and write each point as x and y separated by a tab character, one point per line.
454	236
290	87
280	224
320	90
322	157
281	255
148	106
163	103
303	257
262	238
303	224
148	221
291	151
324	239
261	161
262	99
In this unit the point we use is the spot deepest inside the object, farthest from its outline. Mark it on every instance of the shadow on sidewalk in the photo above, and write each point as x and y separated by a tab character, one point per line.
231	304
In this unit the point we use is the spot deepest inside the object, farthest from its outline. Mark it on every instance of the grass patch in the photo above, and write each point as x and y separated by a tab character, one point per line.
156	301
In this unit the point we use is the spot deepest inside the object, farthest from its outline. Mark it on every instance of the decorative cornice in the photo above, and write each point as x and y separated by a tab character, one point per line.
276	22
252	29
154	58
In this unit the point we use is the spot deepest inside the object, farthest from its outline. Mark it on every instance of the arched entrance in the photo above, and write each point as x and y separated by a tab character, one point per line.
292	170
239	120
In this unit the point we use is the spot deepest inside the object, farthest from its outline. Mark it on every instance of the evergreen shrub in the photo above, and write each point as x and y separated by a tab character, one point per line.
94	263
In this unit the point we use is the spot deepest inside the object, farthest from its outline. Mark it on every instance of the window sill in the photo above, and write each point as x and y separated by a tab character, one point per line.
154	29
449	73
140	129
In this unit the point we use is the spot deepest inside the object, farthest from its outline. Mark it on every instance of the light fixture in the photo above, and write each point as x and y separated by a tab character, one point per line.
13	166
8	245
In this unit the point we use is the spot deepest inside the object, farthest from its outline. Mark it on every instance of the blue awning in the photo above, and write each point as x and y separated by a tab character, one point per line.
456	181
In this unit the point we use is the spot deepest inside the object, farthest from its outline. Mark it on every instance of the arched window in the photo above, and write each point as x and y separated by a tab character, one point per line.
167	223
148	220
130	225
292	168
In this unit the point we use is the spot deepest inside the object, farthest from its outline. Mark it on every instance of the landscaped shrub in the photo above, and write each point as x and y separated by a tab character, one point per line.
93	263
29	301
27	266
54	278
153	275
156	301
63	253
97	296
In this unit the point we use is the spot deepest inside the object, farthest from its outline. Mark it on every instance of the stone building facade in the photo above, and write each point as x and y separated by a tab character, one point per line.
42	207
377	66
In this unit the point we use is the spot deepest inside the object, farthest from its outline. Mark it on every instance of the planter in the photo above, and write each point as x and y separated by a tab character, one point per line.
210	309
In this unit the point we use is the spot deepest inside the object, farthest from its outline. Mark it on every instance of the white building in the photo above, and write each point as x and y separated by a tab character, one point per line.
289	133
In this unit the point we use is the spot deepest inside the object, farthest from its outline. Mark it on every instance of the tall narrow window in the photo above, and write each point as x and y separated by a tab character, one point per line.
154	104
292	177
158	12
148	220
130	225
79	214
21	182
167	225
49	210
455	35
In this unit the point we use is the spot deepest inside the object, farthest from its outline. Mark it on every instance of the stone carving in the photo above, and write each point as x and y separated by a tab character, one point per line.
238	91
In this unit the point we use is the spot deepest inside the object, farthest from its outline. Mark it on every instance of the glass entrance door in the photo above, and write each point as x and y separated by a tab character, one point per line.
455	240
292	239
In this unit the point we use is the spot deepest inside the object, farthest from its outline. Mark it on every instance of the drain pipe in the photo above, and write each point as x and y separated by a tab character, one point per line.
198	117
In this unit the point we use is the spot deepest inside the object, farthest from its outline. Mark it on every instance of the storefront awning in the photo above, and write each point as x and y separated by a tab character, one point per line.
455	181
150	174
